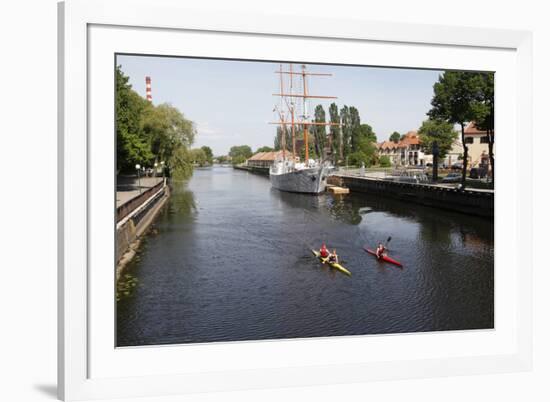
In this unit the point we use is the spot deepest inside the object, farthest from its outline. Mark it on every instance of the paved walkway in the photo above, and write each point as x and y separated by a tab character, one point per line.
128	187
381	175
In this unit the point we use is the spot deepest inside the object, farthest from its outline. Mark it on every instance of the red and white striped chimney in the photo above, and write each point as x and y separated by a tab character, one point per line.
148	89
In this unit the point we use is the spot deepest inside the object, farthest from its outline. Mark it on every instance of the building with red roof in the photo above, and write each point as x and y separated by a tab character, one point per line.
478	146
407	152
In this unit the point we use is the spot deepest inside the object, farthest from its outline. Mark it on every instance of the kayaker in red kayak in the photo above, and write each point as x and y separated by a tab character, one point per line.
380	250
324	251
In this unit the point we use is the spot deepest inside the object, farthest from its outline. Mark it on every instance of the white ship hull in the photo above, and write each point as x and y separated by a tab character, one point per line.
308	180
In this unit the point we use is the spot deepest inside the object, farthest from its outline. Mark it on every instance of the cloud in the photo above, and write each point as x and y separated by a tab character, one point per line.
205	131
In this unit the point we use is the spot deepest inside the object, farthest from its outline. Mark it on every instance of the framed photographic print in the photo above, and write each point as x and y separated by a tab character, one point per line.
263	201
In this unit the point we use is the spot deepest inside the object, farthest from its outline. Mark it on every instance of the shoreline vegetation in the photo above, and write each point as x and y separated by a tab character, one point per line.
154	135
160	135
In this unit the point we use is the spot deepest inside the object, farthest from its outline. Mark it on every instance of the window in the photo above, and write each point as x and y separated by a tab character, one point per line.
484	140
469	140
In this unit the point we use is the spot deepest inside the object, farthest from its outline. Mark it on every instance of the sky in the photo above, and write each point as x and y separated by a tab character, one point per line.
231	102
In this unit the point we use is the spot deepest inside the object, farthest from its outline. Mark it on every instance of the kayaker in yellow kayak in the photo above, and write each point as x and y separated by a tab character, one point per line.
324	251
333	257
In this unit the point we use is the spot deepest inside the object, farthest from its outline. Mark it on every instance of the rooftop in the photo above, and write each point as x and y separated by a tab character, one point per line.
471	129
266	156
411	138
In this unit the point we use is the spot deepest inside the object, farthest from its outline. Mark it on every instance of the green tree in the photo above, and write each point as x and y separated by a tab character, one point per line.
345	118
366	133
240	153
355	129
335	133
222	159
484	114
181	164
147	134
438	131
167	129
198	157
208	153
454	96
132	143
319	132
385	161
277	143
264	149
365	153
395	137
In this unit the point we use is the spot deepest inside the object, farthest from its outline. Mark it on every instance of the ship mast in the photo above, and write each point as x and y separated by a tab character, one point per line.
292	116
306	131
305	96
283	127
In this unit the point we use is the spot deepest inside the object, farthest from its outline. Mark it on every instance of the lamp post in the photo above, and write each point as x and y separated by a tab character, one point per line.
162	167
435	161
138	167
156	164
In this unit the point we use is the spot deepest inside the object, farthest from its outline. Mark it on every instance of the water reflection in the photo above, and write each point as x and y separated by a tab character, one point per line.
231	260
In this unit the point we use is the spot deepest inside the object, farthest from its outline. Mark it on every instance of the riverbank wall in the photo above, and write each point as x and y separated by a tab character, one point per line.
134	218
264	171
469	201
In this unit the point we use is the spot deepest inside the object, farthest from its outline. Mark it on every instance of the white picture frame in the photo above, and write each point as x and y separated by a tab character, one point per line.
90	32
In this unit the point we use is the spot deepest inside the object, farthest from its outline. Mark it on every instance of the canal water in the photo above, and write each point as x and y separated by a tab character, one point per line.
229	259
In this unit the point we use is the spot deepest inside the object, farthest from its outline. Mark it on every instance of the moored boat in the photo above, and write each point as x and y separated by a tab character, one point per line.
288	173
297	178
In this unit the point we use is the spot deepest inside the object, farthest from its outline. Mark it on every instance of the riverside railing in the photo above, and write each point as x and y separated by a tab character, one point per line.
128	207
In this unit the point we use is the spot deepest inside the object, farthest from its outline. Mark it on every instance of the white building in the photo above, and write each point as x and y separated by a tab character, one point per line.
478	147
406	152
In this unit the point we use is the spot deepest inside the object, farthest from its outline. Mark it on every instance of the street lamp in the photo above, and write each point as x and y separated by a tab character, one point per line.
156	164
162	165
138	167
435	161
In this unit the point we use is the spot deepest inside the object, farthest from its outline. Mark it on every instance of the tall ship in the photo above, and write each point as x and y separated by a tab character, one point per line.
288	172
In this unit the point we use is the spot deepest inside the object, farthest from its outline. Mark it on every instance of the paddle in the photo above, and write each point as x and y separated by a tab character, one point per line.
387	241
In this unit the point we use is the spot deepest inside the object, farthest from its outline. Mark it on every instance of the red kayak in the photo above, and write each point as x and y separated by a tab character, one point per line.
384	257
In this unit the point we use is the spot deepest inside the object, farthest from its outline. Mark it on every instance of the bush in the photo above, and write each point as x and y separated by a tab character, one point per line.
358	158
385	161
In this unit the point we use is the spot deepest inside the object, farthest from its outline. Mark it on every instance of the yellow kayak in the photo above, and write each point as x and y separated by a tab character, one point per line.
331	264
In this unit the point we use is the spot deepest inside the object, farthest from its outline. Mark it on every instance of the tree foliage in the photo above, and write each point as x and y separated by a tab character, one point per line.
455	96
484	114
167	129
335	133
319	132
348	136
264	149
132	144
278	142
440	132
395	137
208	153
385	161
181	164
355	128
345	118
198	157
147	134
240	153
